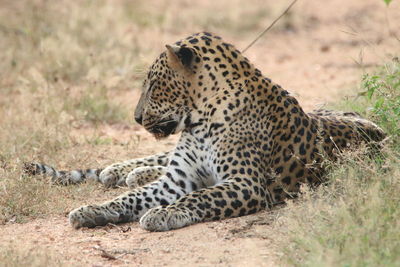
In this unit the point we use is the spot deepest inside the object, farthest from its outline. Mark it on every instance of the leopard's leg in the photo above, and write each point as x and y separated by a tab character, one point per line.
240	188
117	173
185	194
144	175
237	196
130	206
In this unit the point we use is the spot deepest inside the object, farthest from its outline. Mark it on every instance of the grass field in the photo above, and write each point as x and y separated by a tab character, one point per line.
69	78
354	219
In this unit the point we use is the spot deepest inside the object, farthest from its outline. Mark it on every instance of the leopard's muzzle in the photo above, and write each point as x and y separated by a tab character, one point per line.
163	128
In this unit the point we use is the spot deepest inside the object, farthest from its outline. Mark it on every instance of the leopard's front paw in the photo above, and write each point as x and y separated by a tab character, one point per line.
138	177
144	175
92	216
133	179
112	177
167	218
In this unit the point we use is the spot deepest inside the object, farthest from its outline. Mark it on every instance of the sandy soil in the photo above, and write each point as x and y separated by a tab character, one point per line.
234	242
319	60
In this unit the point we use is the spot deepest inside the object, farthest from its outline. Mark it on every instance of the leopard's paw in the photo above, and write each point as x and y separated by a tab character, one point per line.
92	216
112	177
138	177
144	175
167	218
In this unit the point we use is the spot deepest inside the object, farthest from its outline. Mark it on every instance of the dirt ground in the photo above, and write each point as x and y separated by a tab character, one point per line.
319	62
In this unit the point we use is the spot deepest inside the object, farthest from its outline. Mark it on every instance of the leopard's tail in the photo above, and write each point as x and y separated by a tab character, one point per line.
369	131
61	177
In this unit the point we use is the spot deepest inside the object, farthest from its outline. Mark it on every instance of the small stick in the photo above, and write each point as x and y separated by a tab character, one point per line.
107	255
270	26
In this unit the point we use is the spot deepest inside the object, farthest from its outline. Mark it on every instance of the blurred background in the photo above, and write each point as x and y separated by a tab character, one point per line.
81	63
111	43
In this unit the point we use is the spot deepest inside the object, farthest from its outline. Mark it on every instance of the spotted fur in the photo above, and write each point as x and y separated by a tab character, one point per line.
133	173
246	143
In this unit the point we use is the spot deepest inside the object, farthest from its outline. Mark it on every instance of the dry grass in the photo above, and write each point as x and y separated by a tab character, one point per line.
354	219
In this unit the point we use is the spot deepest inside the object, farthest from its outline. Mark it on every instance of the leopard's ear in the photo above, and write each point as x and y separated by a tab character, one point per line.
180	57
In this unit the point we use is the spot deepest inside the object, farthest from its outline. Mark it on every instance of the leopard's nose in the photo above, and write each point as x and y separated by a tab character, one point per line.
139	119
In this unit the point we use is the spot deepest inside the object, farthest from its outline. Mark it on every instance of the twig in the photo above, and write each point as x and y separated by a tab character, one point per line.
107	255
270	26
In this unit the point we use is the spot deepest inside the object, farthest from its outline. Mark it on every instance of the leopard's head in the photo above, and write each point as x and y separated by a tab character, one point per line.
184	79
164	105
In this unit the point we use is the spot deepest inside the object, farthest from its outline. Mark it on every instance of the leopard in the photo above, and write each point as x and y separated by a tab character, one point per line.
245	143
